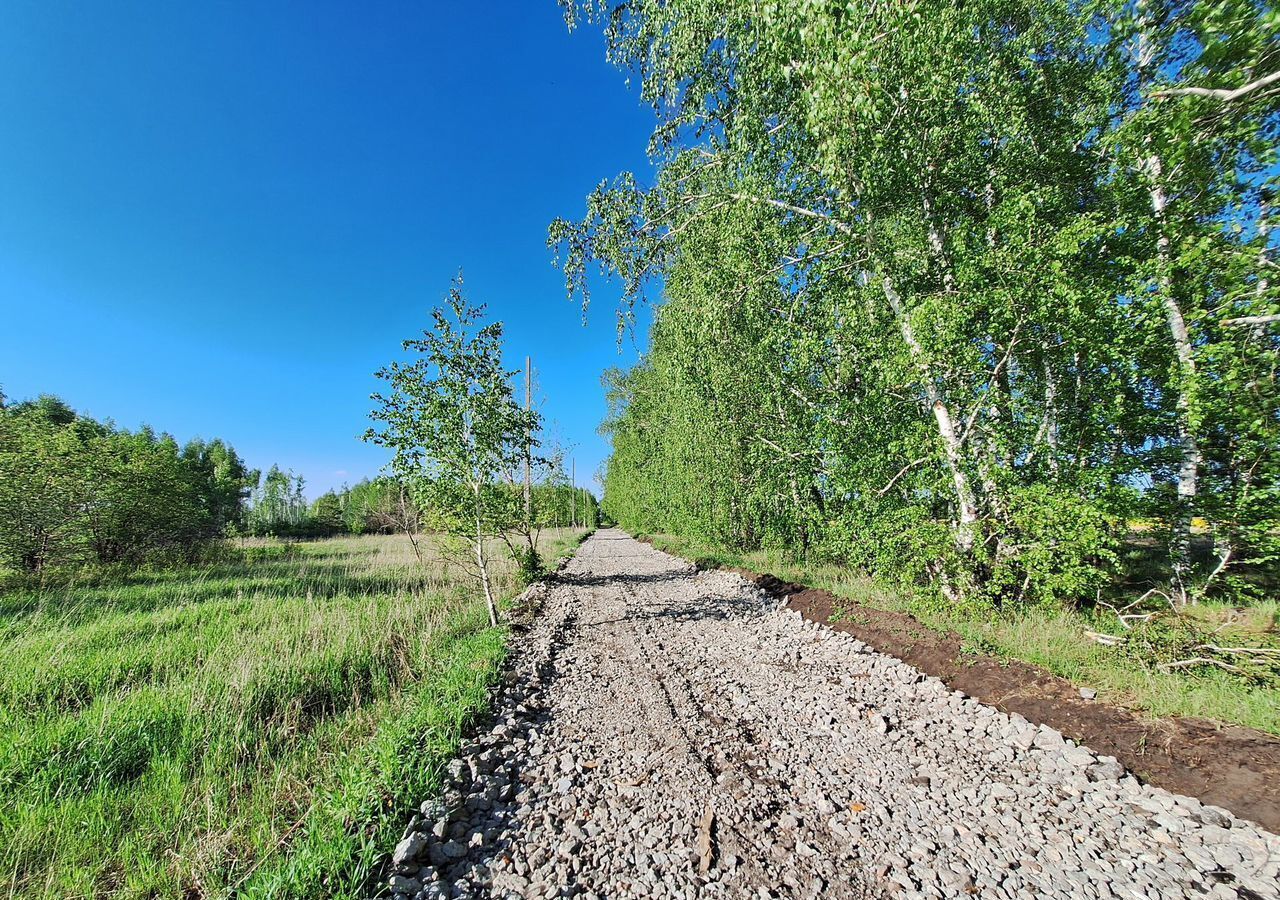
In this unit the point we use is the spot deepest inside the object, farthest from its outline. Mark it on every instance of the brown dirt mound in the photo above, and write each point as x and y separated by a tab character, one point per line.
1229	766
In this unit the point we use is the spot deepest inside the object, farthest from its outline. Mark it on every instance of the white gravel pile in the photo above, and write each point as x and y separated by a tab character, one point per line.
667	733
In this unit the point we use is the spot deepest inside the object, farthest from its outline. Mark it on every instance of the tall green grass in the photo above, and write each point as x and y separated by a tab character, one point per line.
254	728
1050	637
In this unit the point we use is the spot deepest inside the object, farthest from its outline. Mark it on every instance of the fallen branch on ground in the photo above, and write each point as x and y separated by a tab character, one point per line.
1201	661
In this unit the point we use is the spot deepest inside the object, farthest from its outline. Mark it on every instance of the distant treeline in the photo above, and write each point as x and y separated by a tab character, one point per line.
76	491
382	506
379	506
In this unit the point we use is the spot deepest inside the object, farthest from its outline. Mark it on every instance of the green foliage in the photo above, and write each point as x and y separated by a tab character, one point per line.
1069	551
75	491
326	513
223	482
949	291
529	565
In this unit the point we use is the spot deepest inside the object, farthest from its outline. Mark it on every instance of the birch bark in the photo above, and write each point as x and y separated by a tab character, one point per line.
1188	443
966	506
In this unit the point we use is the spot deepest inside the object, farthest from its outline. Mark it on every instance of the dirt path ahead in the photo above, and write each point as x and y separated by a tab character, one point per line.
667	733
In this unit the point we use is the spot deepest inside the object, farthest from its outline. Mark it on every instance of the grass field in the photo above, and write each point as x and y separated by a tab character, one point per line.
257	728
1054	639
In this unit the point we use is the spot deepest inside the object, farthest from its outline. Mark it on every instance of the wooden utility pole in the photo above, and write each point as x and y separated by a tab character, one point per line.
528	447
573	493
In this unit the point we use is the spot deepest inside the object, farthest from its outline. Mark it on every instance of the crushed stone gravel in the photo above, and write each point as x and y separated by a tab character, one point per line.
664	732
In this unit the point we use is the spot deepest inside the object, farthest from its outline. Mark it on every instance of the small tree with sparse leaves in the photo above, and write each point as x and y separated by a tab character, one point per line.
457	432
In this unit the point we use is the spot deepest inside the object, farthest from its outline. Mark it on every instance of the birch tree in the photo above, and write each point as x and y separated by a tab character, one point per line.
959	292
1200	111
916	197
457	431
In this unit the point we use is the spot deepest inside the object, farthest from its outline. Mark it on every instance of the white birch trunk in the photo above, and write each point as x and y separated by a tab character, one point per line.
1049	424
528	457
936	243
966	506
1189	465
1264	233
482	563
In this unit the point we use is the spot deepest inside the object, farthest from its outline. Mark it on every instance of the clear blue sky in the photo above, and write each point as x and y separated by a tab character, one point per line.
221	218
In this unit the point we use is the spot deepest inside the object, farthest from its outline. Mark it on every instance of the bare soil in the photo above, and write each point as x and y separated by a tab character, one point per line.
1223	765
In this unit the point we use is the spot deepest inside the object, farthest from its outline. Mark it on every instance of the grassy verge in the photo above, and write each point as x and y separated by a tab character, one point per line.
258	728
565	544
1051	638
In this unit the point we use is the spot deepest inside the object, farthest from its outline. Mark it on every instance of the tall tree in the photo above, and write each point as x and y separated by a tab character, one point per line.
1194	137
923	179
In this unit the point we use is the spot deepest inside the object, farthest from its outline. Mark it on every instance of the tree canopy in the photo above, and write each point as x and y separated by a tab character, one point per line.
76	490
959	292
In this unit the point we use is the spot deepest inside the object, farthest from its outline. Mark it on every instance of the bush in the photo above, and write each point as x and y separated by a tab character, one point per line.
1057	548
74	490
529	565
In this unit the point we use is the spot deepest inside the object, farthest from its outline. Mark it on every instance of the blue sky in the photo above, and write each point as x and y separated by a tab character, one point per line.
221	218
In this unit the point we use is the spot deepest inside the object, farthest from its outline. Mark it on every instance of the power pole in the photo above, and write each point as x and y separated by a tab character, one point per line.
528	448
573	492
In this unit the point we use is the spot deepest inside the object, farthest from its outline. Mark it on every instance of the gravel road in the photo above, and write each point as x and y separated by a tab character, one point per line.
669	733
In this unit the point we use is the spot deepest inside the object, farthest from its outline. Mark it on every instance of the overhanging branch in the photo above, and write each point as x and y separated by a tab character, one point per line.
1243	321
1225	95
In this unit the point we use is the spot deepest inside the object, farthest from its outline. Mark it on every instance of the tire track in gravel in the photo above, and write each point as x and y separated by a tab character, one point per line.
666	733
707	737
